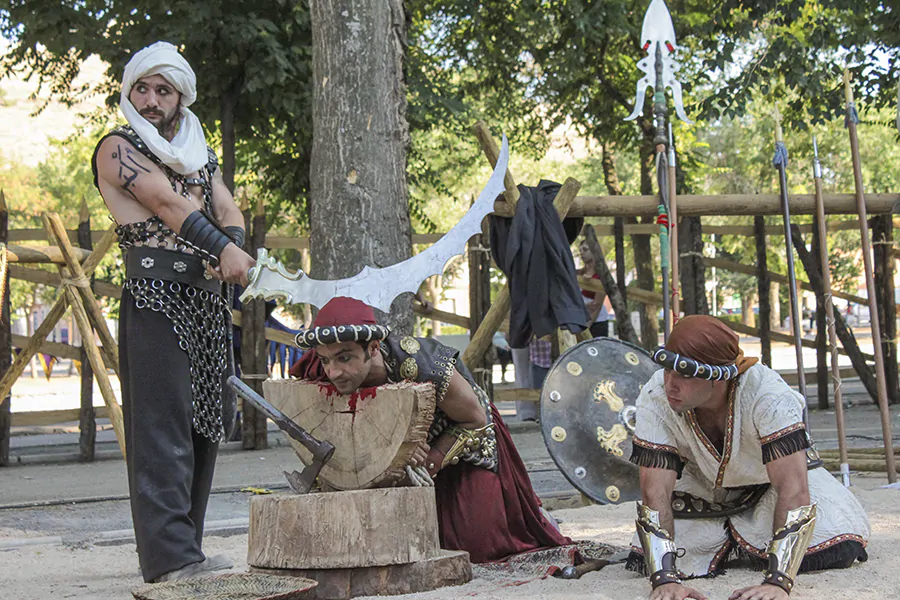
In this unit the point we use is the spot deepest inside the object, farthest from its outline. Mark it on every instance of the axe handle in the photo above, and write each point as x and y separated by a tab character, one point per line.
321	450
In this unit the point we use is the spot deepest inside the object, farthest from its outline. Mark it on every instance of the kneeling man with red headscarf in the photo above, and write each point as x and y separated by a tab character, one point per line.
486	505
727	471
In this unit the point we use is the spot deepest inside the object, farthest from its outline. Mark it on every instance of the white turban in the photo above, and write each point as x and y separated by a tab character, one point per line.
187	152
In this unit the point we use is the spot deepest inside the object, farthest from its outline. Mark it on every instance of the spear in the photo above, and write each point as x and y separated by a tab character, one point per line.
659	66
673	224
829	315
780	162
851	121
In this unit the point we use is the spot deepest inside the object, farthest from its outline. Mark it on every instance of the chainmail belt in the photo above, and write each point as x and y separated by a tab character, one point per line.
159	280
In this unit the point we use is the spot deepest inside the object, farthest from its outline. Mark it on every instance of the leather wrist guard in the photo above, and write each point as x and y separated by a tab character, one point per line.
659	547
788	547
470	442
236	234
202	235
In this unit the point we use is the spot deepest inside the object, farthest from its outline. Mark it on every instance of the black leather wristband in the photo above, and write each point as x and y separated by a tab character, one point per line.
203	236
237	235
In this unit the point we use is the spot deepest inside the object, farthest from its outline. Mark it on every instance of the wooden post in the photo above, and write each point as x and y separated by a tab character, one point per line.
74	272
621	272
883	243
624	328
5	339
87	424
254	362
848	341
822	376
763	290
53	316
479	305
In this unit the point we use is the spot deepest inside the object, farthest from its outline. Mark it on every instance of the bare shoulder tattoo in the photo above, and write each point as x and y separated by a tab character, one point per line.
129	167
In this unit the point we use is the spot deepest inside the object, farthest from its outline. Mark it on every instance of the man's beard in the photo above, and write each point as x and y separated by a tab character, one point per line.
164	126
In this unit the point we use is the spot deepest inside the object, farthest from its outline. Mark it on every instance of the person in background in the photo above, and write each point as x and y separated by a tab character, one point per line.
595	302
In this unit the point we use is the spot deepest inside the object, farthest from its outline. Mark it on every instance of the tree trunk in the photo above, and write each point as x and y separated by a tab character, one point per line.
693	271
359	210
228	100
482	367
643	255
883	243
748	303
614	188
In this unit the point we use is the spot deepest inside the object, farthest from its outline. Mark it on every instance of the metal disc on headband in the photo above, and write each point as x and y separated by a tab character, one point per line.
587	416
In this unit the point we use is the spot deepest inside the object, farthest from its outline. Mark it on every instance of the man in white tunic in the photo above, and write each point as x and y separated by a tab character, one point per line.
723	451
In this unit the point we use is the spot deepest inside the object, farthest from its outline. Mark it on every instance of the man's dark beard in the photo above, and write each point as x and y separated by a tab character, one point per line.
165	126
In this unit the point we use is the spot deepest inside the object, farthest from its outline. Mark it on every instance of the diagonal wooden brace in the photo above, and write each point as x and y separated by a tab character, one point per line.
95	315
52	223
56	313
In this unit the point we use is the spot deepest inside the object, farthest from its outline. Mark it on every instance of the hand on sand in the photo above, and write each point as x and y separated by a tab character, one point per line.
676	591
760	592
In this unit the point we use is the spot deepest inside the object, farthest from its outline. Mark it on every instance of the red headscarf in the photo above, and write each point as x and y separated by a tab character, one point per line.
338	311
708	340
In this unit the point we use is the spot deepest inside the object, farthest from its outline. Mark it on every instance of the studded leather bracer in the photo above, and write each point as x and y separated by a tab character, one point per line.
470	444
204	236
788	547
659	547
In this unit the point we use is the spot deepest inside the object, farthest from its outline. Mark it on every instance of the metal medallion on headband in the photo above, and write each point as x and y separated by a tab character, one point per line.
587	417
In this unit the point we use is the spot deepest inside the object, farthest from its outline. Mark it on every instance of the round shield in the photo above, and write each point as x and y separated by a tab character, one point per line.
587	416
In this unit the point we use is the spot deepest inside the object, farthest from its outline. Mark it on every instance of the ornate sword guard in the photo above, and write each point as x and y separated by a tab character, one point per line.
258	279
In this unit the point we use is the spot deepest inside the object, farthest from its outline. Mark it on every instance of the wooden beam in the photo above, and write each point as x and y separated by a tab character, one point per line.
42	418
53	348
737	267
42	254
724	205
511	395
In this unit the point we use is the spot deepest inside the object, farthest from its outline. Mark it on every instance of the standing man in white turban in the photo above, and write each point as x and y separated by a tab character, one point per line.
182	236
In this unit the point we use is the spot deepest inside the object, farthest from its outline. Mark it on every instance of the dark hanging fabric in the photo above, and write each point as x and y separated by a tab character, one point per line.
786	445
656	459
532	250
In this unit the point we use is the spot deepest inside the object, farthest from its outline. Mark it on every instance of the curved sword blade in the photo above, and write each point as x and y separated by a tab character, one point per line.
269	279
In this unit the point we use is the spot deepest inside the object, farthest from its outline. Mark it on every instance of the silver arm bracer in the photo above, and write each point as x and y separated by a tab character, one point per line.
659	547
788	547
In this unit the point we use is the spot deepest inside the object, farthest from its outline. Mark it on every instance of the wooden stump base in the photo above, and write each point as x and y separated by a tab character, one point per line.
450	567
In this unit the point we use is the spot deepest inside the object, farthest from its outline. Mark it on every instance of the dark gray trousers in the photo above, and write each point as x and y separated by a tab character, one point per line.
170	466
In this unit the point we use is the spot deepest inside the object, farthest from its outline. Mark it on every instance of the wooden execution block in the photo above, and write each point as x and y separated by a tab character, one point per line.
374	430
338	530
450	567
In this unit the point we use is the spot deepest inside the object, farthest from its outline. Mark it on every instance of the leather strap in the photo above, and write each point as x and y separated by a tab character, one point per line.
201	234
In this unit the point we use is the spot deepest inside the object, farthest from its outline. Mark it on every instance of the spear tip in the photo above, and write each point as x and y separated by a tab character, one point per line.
848	91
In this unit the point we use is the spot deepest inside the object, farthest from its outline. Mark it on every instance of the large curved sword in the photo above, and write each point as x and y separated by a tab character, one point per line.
269	279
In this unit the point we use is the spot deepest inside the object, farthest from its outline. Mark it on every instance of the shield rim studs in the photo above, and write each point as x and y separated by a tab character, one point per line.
632	359
580	472
555	396
593	351
558	434
574	368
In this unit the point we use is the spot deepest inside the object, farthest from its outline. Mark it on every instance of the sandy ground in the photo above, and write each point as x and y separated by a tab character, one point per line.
103	572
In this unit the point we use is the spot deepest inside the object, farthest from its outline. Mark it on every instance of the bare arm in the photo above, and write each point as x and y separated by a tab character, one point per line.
122	167
657	486
224	209
790	478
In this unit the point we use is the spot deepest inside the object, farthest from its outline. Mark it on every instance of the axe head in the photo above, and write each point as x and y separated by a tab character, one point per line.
303	481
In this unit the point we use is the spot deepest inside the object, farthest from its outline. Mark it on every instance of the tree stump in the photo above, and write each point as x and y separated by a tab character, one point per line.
341	530
374	430
450	567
